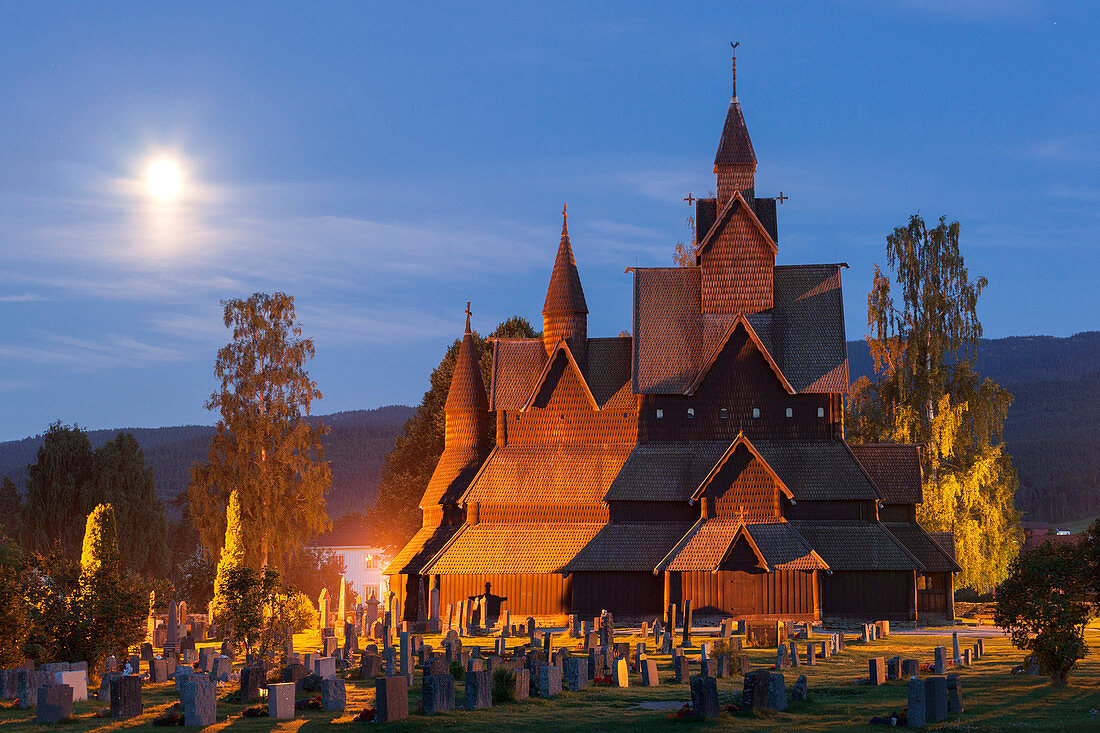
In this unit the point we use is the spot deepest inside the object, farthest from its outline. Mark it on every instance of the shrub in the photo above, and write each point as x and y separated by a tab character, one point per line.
504	685
721	647
457	671
300	613
1042	603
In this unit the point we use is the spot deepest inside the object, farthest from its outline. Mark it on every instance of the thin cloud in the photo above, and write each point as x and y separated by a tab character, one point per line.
20	298
88	355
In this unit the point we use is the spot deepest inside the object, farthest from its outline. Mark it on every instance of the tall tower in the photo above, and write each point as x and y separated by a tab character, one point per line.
467	408
735	161
564	313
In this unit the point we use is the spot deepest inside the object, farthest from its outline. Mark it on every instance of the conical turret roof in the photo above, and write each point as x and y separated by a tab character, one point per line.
735	148
467	391
564	295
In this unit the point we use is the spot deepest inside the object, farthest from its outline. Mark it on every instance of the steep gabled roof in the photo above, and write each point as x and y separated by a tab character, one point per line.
560	351
739	321
895	469
740	442
517	365
419	550
547	473
521	547
564	294
736	203
923	547
665	470
628	547
710	542
735	147
818	470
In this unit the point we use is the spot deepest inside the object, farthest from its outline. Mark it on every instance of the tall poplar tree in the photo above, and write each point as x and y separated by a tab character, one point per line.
11	511
265	447
59	490
232	556
926	390
122	478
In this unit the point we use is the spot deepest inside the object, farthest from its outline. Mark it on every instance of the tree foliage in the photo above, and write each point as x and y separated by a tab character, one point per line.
259	608
122	477
232	554
60	489
11	511
409	466
265	446
1043	605
311	570
926	391
14	620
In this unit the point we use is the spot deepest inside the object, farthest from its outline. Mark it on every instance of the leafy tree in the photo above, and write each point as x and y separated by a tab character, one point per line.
11	511
60	489
233	553
311	570
408	468
259	608
1043	605
265	446
926	391
123	478
14	622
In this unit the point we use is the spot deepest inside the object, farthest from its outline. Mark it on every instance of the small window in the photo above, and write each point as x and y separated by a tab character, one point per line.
691	412
368	562
790	412
755	412
821	412
660	414
724	414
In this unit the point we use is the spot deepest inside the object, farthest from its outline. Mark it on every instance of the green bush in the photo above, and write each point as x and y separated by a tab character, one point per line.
721	647
504	685
300	613
457	671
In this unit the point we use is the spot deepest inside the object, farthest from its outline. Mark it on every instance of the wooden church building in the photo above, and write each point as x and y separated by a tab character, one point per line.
702	457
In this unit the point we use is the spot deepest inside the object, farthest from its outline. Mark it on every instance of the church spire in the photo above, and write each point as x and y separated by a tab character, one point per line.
564	312
735	161
467	408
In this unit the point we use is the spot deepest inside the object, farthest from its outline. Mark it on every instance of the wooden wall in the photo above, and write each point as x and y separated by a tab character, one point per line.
535	594
788	594
624	594
869	595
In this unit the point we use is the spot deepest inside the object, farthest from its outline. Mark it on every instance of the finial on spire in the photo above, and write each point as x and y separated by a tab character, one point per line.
734	57
468	316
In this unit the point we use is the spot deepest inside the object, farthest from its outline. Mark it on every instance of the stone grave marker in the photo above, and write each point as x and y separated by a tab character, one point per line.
794	654
811	655
686	636
158	671
334	695
28	683
742	663
866	634
252	679
199	702
324	667
292	674
910	668
708	667
681	669
954	694
437	693
916	711
704	697
222	667
549	681
956	657
893	668
723	668
799	692
941	660
877	667
576	673
936	695
967	658
125	696
54	703
479	690
620	673
782	659
78	680
649	673
280	700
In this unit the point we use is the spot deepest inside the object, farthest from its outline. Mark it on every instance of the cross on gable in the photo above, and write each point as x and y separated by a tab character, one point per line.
468	313
690	199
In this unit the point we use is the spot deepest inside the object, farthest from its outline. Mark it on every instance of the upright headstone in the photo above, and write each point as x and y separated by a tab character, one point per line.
549	681
794	653
172	639
576	673
704	697
252	679
334	695
620	674
671	619
479	690
799	691
910	668
866	634
936	696
916	712
686	638
777	691
941	660
280	700
438	693
893	668
199	702
78	680
954	694
649	673
54	703
125	696
956	657
877	670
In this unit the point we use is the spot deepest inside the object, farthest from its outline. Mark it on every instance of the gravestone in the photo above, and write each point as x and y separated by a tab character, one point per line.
146	652
811	655
967	659
576	673
681	669
329	646
883	628
723	670
280	700
893	668
437	693
334	695
777	691
620	673
910	668
956	657
916	712
252	679
704	697
523	683
866	634
936	696
782	659
550	681
173	629
742	663
292	674
206	659
799	691
877	667
104	695
158	671
478	690
324	667
222	667
322	609
686	637
954	694
54	703
125	694
597	664
666	643
591	641
941	660
975	653
765	634
199	702
708	667
981	648
826	649
649	673
754	695
77	680
794	653
28	683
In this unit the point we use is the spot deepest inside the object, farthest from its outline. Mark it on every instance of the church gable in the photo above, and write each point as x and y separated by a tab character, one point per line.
742	487
562	386
737	258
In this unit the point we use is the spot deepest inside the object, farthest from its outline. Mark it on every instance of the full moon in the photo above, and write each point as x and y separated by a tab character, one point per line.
163	179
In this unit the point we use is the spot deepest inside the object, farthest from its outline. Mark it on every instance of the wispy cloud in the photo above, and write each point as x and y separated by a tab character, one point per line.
20	298
973	9
87	355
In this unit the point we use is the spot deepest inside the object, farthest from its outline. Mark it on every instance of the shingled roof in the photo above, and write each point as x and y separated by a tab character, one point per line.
803	332
517	366
548	473
709	542
666	470
512	548
895	469
735	147
856	545
628	547
452	475
817	470
419	550
564	294
923	547
467	391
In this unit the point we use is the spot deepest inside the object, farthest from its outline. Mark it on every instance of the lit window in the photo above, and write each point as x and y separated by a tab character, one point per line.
821	412
660	414
790	412
368	562
691	412
755	412
724	414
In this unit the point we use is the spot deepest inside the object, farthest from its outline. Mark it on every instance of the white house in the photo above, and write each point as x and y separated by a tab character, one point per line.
363	563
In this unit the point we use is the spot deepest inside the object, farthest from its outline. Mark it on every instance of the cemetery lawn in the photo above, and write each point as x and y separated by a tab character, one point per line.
993	698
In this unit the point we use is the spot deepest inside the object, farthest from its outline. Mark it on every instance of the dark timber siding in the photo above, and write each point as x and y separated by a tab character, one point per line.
624	594
869	594
778	594
542	594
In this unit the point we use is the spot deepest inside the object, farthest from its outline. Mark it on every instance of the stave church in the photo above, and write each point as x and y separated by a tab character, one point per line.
702	457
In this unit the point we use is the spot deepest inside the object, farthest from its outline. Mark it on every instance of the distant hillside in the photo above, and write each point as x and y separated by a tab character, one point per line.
356	446
1053	427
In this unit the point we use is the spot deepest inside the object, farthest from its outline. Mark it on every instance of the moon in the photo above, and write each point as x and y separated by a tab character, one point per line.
164	179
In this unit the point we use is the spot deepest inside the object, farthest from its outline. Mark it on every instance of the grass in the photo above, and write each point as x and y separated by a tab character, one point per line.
994	699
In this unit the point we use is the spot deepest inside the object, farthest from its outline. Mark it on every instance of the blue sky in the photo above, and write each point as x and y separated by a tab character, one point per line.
384	164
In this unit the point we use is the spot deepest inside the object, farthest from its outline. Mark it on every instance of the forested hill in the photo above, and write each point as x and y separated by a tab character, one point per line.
1053	427
356	446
